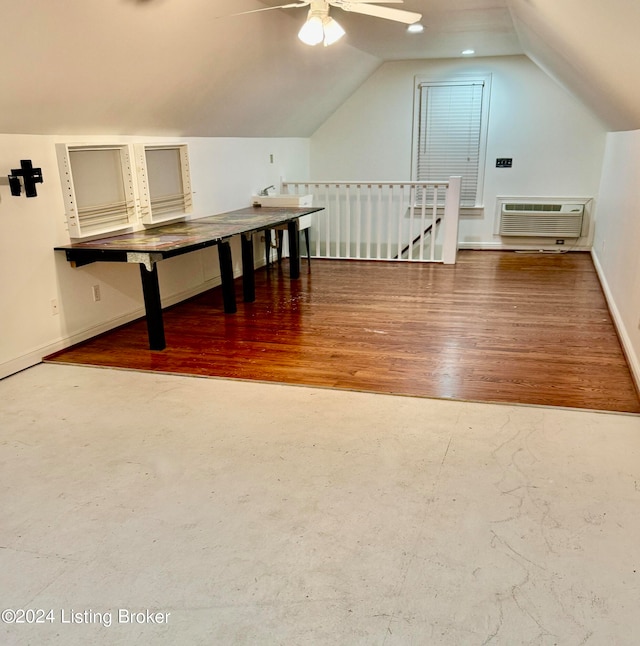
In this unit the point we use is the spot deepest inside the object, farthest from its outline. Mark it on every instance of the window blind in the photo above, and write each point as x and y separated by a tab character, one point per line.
166	190
449	131
164	183
100	193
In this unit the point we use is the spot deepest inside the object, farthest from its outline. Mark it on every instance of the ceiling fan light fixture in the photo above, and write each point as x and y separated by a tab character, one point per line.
332	31
415	28
312	32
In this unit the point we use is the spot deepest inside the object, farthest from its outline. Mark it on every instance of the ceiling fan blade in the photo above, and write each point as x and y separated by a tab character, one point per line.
282	6
338	3
399	15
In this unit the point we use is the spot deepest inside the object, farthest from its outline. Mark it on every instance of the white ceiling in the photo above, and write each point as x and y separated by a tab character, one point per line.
450	27
187	67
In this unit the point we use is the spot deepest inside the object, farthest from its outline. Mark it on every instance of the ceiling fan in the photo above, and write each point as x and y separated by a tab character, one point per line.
320	27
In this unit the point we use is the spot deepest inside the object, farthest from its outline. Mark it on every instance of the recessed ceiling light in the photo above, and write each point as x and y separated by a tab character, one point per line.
416	28
468	52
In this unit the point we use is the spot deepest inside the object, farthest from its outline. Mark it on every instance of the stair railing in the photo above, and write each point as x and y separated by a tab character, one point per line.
393	221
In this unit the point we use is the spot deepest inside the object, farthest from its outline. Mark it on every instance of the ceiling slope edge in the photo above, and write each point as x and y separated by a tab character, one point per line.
606	90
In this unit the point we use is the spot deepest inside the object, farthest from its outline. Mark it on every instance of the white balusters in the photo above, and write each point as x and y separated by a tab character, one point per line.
408	221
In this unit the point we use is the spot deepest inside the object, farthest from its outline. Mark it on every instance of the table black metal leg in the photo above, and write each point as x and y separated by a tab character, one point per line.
280	233
248	267
267	247
226	275
294	249
306	241
153	307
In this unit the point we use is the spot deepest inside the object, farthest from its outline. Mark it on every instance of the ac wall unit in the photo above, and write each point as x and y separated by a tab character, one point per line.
548	220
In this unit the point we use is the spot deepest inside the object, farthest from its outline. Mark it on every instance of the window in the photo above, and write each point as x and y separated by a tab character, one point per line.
450	124
164	182
97	183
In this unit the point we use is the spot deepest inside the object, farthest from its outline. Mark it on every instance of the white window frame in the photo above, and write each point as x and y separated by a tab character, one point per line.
163	208
97	218
485	80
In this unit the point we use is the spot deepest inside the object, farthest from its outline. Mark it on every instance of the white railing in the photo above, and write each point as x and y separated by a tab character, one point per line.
410	221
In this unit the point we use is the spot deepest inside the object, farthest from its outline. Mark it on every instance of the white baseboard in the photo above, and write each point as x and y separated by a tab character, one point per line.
35	356
632	359
499	246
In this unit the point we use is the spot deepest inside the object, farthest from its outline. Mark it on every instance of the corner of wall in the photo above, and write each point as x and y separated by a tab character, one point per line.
618	320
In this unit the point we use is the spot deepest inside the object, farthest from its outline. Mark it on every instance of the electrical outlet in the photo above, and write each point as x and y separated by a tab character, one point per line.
271	158
95	290
54	306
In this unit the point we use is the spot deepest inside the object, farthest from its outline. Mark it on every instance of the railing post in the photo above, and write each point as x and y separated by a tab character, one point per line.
450	221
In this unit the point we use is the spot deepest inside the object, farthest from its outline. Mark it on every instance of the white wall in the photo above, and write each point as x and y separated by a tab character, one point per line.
225	173
615	248
556	144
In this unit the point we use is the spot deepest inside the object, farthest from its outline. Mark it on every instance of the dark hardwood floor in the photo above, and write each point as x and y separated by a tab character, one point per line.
496	327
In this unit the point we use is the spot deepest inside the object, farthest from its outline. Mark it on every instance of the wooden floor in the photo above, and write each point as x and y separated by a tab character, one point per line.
496	327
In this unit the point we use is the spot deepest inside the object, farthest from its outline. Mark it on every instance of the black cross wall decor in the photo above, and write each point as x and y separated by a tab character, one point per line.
30	177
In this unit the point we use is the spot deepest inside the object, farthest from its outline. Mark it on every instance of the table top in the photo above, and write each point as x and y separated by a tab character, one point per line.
205	231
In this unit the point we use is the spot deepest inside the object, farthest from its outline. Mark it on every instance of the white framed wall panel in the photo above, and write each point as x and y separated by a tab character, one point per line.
98	188
164	182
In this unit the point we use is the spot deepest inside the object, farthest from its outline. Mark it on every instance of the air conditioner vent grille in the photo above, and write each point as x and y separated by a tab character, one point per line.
532	207
541	220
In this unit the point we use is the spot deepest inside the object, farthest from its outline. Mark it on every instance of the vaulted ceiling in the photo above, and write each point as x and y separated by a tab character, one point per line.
189	67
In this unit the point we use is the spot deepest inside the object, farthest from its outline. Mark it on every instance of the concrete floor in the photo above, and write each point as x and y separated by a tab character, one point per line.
249	513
